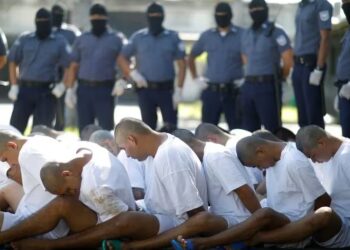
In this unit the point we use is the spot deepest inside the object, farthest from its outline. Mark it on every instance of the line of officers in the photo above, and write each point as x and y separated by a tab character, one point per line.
243	79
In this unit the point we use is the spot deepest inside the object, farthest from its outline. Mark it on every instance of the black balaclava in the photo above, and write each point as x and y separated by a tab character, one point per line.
155	23
258	16
346	9
98	26
223	21
57	14
43	23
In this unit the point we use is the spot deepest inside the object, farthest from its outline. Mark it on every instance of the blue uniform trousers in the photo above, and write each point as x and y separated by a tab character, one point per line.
95	102
259	105
215	102
309	98
150	99
33	100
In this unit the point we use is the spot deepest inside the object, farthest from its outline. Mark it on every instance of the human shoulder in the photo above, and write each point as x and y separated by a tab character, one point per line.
294	159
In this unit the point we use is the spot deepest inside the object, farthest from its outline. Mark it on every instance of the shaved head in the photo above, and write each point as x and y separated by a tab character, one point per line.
185	135
129	126
308	137
6	136
246	148
101	136
205	129
266	135
51	177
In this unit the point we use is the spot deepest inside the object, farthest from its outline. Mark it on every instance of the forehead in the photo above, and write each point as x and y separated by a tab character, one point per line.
98	17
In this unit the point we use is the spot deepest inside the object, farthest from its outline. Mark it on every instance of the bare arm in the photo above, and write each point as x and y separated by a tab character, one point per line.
324	46
248	198
71	74
3	60
287	59
244	59
181	64
195	211
124	65
13	73
322	201
192	66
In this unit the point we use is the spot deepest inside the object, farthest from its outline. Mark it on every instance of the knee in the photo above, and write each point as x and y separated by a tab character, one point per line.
321	218
264	215
206	219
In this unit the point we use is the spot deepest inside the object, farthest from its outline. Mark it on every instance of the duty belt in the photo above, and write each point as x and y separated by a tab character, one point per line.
260	79
34	84
221	87
309	59
164	85
340	83
106	83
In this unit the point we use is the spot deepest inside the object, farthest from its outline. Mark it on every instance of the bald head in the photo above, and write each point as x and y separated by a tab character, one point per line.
247	147
51	177
6	136
129	126
308	137
100	136
185	135
266	135
205	130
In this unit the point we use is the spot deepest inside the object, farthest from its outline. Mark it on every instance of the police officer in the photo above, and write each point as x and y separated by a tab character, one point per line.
36	54
263	46
313	26
343	76
94	58
69	32
225	68
3	49
155	49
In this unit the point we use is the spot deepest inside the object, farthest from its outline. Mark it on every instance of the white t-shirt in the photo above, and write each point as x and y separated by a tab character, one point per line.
34	154
255	175
292	185
335	177
105	186
224	174
176	182
134	168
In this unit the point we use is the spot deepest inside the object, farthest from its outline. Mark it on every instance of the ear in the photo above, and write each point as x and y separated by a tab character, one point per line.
66	173
11	145
321	142
259	151
132	139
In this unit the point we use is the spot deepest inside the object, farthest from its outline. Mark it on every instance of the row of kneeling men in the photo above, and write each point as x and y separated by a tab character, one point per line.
78	194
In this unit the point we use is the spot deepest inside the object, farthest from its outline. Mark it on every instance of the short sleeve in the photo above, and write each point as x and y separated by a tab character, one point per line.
325	12
75	56
180	48
244	37
129	49
305	177
16	51
198	46
3	44
282	40
228	172
344	165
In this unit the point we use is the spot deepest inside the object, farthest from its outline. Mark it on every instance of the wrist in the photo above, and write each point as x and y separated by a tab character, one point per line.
320	68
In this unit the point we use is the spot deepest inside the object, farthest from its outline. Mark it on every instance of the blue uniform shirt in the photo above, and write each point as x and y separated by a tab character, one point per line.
155	55
97	56
224	54
3	44
69	32
263	48
37	59
343	66
311	17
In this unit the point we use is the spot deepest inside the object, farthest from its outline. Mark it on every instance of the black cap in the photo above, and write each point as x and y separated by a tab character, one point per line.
98	9
257	3
43	13
155	8
224	7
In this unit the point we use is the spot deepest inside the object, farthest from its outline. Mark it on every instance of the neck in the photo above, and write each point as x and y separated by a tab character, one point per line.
334	144
20	143
198	148
277	148
225	138
155	140
225	29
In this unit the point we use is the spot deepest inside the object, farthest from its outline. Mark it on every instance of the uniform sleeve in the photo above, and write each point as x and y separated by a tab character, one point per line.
282	40
16	51
118	44
304	176
228	172
75	56
107	204
325	12
3	44
129	49
198	47
180	52
243	38
65	51
344	165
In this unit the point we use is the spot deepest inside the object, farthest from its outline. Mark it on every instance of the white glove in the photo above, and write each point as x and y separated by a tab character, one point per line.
13	93
238	82
345	91
336	103
58	90
315	77
201	82
119	87
71	98
177	96
138	79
